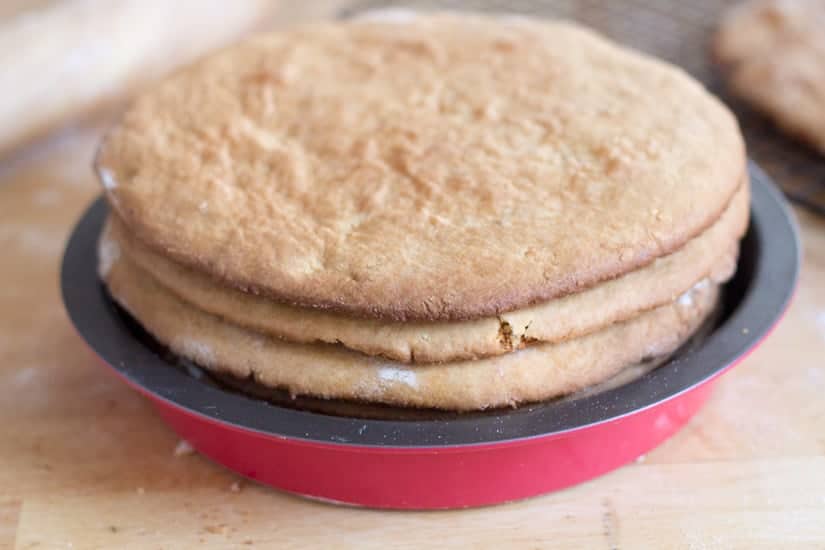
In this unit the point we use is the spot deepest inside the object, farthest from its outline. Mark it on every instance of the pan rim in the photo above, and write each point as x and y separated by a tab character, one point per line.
771	249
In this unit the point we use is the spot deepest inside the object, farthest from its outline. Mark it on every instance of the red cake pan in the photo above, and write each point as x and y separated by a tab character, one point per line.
457	461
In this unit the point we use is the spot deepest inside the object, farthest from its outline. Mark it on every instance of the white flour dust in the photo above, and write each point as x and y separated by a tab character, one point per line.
402	376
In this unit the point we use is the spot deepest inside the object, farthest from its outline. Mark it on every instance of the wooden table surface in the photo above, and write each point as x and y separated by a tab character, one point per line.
86	463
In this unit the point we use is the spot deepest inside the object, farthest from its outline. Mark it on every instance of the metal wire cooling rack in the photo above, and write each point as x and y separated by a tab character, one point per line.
678	31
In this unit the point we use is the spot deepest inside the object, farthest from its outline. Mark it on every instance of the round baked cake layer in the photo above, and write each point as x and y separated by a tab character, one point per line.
363	409
531	374
773	52
454	167
710	255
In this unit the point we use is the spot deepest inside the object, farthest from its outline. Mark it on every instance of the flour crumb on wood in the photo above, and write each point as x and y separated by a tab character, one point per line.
183	448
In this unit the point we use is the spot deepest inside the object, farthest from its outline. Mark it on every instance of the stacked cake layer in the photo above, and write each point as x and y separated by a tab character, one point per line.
456	212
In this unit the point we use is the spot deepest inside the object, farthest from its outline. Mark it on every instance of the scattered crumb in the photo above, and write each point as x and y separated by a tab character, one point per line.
236	487
641	458
745	331
141	491
113	528
183	448
221	529
248	542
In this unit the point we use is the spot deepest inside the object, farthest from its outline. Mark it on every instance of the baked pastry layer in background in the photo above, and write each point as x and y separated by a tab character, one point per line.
773	52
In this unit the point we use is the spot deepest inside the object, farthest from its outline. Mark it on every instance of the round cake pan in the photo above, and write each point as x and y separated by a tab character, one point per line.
454	461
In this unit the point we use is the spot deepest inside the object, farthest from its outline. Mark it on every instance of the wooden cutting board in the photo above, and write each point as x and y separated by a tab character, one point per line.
86	463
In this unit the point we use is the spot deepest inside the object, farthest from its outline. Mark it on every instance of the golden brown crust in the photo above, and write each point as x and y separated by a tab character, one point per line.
452	168
710	255
773	53
531	374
